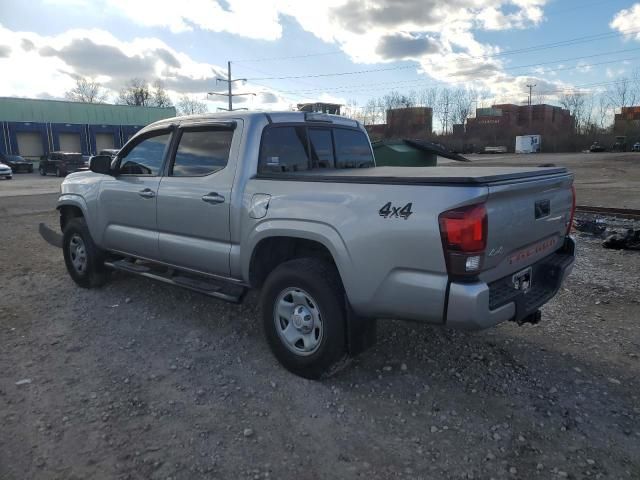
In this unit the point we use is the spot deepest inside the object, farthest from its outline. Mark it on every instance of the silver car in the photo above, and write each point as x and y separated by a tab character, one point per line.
5	171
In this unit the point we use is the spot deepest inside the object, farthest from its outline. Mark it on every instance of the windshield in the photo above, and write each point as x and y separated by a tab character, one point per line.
73	157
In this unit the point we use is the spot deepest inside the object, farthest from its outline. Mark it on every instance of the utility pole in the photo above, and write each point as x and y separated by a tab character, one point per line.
230	95
531	91
530	94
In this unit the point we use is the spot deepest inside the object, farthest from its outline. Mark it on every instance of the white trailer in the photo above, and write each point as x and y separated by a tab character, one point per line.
528	144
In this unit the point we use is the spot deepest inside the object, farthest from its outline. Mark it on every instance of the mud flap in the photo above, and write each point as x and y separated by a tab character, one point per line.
361	332
50	236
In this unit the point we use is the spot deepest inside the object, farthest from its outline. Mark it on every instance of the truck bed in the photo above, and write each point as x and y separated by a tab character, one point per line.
418	175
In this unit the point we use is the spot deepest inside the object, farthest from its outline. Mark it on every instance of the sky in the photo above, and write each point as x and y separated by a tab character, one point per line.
344	51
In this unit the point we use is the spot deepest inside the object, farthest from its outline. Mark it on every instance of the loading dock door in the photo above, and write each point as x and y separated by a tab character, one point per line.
104	140
30	144
70	142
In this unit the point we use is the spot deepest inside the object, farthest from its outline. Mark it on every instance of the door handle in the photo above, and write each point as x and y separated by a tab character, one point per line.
213	197
147	193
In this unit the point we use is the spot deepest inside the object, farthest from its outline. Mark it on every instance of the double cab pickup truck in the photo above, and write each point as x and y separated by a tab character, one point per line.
294	205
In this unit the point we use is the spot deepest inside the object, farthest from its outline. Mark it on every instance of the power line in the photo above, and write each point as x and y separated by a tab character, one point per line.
353	87
272	59
563	43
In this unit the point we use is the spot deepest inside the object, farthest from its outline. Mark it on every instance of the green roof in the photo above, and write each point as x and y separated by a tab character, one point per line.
60	111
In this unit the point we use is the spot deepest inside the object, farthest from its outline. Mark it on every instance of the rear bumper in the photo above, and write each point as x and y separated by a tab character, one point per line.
477	306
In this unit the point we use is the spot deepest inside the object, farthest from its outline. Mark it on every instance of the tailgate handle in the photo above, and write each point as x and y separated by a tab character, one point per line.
543	208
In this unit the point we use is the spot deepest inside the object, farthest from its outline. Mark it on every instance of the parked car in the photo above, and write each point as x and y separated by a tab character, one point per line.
61	163
636	147
596	147
109	151
5	171
293	204
493	150
17	163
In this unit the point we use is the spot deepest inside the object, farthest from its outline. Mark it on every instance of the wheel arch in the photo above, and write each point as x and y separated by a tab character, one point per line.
71	206
279	242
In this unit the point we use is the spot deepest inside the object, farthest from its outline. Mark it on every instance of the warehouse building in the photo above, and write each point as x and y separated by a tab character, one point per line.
32	128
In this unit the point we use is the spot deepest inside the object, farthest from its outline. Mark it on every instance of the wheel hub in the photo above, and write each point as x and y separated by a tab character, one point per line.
302	318
298	321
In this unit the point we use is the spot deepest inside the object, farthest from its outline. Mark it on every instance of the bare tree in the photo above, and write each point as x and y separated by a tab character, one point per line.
462	103
191	106
160	98
442	110
86	91
602	111
427	97
622	93
575	103
136	93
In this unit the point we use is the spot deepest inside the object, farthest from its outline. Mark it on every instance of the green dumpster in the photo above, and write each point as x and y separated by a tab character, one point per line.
398	153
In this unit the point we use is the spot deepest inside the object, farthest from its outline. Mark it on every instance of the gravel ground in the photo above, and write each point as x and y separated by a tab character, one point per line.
140	380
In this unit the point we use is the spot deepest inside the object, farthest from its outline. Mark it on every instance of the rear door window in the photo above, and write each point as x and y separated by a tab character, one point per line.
284	149
321	148
352	149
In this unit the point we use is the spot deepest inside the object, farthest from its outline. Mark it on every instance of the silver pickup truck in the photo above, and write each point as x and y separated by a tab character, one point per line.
293	204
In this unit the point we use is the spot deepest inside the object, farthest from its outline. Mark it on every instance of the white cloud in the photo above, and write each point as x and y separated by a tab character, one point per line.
48	65
626	21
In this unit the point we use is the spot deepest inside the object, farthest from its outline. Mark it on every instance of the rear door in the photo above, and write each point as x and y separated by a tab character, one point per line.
127	202
194	199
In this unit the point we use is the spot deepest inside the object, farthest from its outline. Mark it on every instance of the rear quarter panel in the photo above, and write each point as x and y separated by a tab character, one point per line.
388	265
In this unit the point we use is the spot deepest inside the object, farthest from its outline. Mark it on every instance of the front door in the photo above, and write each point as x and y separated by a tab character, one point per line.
127	203
194	200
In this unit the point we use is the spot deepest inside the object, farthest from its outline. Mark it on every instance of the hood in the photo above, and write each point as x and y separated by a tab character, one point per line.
2	165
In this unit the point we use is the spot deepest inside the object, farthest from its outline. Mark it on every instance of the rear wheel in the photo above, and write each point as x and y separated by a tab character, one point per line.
42	171
303	311
84	260
58	172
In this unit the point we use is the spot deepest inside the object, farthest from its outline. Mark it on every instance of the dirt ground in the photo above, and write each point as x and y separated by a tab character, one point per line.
601	179
140	380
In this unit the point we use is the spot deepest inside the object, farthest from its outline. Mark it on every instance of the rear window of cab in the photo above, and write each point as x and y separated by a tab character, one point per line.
296	148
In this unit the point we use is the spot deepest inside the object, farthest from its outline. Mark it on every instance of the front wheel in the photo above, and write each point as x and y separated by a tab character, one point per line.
42	171
303	312
84	260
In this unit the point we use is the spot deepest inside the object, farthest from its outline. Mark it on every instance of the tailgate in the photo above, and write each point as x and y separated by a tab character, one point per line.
527	221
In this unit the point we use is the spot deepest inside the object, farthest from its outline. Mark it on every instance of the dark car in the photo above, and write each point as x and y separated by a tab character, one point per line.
16	162
61	163
597	147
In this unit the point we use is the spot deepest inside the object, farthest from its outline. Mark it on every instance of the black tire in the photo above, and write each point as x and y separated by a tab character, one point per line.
94	274
58	172
30	170
42	171
322	282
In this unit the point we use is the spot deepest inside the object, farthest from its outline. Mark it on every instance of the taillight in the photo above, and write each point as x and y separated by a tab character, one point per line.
464	238
573	209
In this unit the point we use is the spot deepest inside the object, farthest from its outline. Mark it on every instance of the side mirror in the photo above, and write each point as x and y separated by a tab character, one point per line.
100	164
